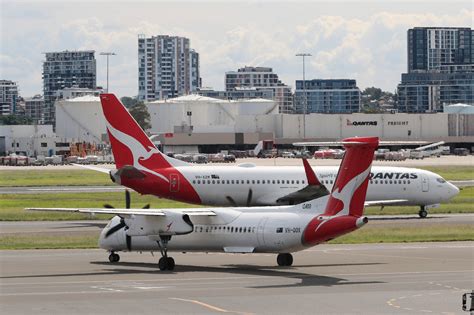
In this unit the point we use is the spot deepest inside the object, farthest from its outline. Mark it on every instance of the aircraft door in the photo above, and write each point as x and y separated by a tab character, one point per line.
261	231
425	184
174	183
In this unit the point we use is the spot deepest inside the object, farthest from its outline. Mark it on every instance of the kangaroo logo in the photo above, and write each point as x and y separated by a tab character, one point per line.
345	194
139	152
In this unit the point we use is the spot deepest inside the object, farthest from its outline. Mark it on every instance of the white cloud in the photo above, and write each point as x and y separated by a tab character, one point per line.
367	43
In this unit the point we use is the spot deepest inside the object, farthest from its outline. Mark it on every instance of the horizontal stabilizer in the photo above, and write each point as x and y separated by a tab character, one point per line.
130	172
385	202
93	168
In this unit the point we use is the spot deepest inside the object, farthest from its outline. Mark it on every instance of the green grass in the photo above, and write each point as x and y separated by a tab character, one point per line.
402	234
452	172
12	206
10	178
47	242
367	234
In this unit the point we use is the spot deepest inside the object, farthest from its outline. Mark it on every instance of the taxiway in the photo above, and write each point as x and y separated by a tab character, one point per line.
411	278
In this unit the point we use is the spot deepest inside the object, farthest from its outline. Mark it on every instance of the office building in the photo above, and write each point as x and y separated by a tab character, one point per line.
429	92
327	96
167	67
440	69
8	97
34	108
66	69
431	48
261	78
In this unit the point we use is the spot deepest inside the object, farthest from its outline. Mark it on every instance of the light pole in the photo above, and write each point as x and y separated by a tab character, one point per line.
305	104
107	54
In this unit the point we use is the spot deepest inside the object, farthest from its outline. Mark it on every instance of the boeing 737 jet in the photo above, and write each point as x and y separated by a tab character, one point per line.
278	229
143	168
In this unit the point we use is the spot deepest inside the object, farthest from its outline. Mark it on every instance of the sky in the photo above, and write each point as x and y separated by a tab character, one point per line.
362	40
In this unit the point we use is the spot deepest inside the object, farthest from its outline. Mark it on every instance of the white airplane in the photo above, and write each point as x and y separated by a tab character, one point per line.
143	168
276	229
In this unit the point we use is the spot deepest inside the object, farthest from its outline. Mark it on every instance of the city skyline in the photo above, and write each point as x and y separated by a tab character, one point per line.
366	41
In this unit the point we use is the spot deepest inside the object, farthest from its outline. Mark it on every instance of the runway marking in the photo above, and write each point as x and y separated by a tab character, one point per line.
208	306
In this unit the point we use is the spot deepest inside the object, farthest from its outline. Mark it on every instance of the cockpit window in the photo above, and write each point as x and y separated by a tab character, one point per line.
440	180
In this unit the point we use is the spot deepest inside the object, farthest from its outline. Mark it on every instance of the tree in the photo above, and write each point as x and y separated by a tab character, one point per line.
140	112
15	120
129	101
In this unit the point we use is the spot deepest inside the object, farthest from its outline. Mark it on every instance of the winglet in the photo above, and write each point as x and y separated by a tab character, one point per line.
310	175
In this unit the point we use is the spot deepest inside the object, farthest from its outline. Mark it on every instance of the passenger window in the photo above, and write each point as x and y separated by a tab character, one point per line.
232	181
404	181
297	182
209	181
263	181
408	181
228	182
288	181
292	181
253	181
245	230
199	182
240	230
232	229
376	181
273	181
390	181
258	181
213	182
371	182
194	182
200	230
278	181
218	181
248	181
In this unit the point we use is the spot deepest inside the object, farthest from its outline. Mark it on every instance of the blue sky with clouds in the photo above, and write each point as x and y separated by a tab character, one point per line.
364	40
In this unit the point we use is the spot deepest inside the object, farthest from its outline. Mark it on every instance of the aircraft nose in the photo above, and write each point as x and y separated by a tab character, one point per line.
454	190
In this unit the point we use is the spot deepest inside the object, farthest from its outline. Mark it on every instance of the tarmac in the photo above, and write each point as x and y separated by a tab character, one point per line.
415	278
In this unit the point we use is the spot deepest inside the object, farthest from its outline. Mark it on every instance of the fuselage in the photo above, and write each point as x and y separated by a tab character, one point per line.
249	185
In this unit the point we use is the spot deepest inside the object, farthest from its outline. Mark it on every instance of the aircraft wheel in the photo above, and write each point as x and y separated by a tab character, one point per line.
170	263
163	263
285	259
423	213
113	258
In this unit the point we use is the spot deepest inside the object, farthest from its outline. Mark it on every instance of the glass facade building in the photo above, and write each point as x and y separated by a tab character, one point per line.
64	70
327	96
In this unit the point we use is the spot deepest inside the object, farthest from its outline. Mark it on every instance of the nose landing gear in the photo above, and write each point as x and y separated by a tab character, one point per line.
113	257
165	262
423	213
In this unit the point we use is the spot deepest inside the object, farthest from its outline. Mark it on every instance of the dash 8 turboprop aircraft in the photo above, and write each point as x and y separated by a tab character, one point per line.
143	168
274	229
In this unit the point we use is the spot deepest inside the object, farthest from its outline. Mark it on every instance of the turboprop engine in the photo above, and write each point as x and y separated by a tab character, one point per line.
172	223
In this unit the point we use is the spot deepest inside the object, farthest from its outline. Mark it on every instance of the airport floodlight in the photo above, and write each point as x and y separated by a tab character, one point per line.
107	54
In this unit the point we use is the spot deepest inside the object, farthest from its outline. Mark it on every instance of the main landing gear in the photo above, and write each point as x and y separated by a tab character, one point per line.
113	257
165	262
423	213
285	259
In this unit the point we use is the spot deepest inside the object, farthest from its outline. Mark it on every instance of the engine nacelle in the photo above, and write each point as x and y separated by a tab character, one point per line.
173	223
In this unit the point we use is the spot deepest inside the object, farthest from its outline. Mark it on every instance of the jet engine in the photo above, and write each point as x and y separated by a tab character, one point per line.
172	223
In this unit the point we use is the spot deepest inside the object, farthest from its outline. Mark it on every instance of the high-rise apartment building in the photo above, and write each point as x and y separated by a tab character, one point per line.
8	97
167	67
440	69
431	48
261	78
34	108
327	96
66	69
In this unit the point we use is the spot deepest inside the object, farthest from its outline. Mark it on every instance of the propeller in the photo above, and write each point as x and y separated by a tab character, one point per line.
122	223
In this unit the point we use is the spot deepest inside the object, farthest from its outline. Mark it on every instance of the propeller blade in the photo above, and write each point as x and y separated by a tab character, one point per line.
231	201
147	206
108	206
249	197
127	199
128	239
115	229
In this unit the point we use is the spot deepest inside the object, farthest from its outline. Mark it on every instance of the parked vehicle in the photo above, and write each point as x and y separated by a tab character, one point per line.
461	151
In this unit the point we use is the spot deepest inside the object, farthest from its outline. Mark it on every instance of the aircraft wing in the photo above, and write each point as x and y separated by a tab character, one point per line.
313	190
93	168
129	212
392	202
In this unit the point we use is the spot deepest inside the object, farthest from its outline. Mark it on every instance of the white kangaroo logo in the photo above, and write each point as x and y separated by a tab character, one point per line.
139	152
345	194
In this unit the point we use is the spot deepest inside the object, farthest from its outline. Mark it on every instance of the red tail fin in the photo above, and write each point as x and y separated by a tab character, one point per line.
130	144
350	188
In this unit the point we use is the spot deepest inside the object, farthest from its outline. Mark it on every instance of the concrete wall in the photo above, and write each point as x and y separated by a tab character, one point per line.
31	140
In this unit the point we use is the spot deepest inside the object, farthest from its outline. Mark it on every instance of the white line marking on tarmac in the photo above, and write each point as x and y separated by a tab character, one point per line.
208	306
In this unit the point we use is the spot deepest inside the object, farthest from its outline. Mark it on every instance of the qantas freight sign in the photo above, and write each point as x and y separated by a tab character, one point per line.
142	167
